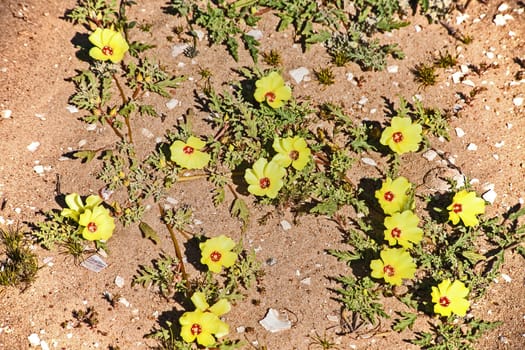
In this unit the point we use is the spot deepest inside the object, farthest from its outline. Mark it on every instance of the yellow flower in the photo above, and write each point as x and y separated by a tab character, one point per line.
291	150
216	253
272	89
450	298
219	308
465	206
202	326
402	228
98	224
394	265
77	207
402	135
265	178
393	195
109	45
188	155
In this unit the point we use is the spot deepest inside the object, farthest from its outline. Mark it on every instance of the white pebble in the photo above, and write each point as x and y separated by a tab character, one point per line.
72	109
82	143
506	277
468	82
332	318
240	329
91	127
501	20
307	281
369	161
417	28
499	144
363	101
459	132
430	155
495	156
119	281
39	169
472	147
256	34
200	34
490	55
349	76
285	225
489	196
178	49
299	74
518	101
503	7
392	69
173	103
462	18
508	125
146	133
33	146
43	345
34	339
40	116
124	302
6	113
456	77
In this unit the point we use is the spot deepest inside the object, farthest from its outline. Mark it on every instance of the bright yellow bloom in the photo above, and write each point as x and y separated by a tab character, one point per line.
189	155
291	150
465	206
109	45
393	195
450	298
402	228
77	207
202	326
216	253
272	89
98	224
219	308
394	265
402	135
265	178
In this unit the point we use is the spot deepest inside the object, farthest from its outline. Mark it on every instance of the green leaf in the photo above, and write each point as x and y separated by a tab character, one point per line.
473	257
240	210
86	156
148	232
406	321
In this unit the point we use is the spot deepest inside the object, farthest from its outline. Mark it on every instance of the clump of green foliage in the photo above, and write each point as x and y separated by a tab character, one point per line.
425	74
18	264
325	76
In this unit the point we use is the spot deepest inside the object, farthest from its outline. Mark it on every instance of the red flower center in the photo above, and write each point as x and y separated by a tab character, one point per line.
444	301
92	227
396	233
389	196
188	150
294	155
457	208
108	51
215	256
270	96
397	137
264	182
388	270
196	329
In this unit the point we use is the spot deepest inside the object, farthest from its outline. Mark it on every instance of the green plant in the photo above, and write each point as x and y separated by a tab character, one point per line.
325	76
272	58
19	265
425	74
164	273
445	60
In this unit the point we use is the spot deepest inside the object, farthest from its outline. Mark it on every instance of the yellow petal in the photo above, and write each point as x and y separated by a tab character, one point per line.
221	307
199	300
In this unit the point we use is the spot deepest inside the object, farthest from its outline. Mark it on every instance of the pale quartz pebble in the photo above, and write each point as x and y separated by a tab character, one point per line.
240	329
34	339
512	34
518	101
464	68
255	33
146	133
275	322
373	111
456	77
119	281
369	161
82	143
392	69
459	132
460	180
33	146
6	113
499	144
506	277
171	104
472	147
299	74
501	20
488	186
508	125
474	181
349	76
176	50
285	225
489	196
94	263
40	116
468	82
490	55
417	28
124	302
18	210
430	155
200	34
462	18
417	97
363	101
503	7
172	200
72	109
39	169
181	64
91	127
495	156
44	345
307	281
332	318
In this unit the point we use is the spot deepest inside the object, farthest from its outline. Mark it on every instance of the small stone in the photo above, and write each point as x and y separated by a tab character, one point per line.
72	109
332	318
146	133
392	69
44	345
350	76
503	7
363	100
518	101
285	225
171	104
499	144
6	113
459	132
271	261
240	329
430	155
417	28
91	127
461	18
119	281
33	146
369	161
82	143
200	34
506	277
275	322
490	55
472	147
34	339
501	20
495	156
256	34
299	74
456	77
39	169
489	196
124	302
468	82
40	116
178	49
307	281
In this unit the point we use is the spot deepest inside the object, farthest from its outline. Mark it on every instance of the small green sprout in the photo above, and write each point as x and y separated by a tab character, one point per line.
272	58
325	76
445	60
425	74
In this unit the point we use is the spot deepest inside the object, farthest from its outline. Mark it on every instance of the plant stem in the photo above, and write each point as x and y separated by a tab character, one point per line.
178	252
